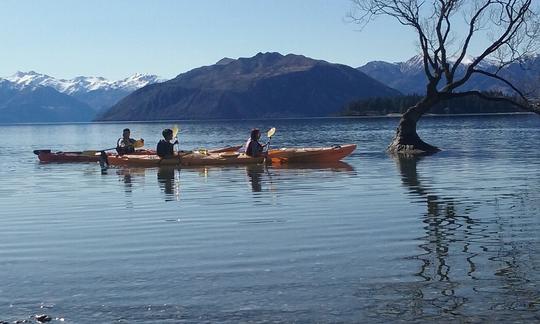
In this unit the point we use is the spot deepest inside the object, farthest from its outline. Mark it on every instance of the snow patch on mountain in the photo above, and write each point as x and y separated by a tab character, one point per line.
81	84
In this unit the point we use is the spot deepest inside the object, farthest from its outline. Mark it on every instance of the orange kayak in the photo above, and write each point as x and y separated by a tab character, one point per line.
311	154
196	158
66	157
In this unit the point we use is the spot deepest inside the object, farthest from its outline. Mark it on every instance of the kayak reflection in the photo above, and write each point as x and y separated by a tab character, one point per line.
258	175
332	166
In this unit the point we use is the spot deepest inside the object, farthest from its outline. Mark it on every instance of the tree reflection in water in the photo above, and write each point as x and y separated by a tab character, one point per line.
470	270
446	230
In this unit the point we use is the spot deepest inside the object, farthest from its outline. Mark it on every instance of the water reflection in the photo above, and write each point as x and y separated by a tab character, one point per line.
127	177
254	173
441	268
448	228
169	181
459	258
330	166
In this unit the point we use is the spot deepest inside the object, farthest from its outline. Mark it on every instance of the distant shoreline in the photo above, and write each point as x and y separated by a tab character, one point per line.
260	119
396	115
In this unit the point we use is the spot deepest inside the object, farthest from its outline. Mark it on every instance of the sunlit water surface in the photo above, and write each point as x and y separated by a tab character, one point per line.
446	238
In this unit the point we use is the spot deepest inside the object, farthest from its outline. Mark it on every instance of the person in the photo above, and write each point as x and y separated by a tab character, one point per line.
253	147
126	145
165	149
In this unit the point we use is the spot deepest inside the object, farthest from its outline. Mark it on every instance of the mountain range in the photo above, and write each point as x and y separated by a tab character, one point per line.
263	86
35	97
266	85
409	78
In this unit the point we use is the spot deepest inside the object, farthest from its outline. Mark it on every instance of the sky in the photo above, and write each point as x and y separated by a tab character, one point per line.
117	38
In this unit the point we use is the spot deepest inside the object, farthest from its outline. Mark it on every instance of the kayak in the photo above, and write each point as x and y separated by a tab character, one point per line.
189	158
94	156
311	154
49	156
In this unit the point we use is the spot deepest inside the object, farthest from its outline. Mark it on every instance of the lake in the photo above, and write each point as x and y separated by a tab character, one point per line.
452	237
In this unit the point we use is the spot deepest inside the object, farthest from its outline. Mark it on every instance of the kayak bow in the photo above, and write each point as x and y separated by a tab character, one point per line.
312	154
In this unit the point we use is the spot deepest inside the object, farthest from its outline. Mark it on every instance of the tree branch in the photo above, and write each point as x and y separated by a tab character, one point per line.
535	108
514	23
508	83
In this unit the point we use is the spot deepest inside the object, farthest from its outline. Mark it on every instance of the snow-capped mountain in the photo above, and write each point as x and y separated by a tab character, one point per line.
36	97
409	77
97	92
81	83
38	103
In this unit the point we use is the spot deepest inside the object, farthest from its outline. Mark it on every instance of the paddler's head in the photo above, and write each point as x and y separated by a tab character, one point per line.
167	134
255	134
126	133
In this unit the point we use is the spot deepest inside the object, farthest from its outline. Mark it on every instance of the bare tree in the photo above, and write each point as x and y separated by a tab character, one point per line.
509	30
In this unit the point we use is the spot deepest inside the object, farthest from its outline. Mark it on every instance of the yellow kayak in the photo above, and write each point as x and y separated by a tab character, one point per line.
194	158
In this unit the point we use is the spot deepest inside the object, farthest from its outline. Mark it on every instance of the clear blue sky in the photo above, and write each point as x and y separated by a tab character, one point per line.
116	38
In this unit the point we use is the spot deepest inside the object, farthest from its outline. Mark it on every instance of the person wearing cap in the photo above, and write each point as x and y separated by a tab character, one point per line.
165	149
253	147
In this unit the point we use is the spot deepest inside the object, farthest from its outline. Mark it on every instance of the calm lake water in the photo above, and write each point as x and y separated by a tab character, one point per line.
453	237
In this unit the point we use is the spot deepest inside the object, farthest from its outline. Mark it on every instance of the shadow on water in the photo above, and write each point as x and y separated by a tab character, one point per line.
467	270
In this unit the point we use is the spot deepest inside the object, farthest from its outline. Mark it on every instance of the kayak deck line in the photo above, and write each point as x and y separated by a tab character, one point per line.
186	159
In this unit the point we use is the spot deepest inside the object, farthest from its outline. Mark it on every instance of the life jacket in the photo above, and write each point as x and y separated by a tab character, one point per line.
125	147
253	148
165	149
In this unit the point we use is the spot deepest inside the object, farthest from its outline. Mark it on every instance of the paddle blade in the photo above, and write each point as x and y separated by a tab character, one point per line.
138	143
175	130
271	132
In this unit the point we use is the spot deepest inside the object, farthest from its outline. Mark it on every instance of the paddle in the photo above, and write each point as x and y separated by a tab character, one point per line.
137	144
175	131
269	134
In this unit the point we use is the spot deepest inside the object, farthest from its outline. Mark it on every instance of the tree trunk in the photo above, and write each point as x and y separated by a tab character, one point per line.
406	140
